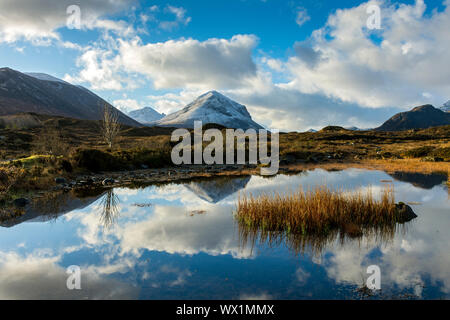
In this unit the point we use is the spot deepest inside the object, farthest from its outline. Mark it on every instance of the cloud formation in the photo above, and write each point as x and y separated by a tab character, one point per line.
38	21
393	66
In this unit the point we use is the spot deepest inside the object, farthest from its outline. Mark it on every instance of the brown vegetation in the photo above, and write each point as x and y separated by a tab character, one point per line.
59	146
314	218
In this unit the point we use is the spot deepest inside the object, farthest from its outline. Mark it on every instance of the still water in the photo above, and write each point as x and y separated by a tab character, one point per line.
180	241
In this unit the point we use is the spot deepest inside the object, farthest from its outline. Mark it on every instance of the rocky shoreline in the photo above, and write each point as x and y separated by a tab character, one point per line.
144	177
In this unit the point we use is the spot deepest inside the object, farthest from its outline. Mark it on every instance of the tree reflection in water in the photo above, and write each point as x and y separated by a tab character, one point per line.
110	209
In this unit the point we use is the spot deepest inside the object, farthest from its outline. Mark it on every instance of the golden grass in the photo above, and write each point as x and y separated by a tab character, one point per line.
316	211
314	218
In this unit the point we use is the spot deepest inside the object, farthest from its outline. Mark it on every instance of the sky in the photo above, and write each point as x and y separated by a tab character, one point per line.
295	64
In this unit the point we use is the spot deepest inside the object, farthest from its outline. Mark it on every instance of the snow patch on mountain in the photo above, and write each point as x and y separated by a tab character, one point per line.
446	107
211	107
146	115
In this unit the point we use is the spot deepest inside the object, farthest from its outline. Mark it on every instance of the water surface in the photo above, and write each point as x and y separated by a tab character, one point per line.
180	241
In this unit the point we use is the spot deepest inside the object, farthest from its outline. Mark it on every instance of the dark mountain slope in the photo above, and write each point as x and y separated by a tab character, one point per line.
20	92
422	117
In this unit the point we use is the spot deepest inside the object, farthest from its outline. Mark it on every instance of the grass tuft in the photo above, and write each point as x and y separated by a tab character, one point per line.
316	217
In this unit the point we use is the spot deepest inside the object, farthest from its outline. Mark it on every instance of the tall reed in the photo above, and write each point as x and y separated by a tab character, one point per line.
318	210
313	218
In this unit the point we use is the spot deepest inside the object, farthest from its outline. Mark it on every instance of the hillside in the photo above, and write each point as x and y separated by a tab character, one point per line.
421	117
44	94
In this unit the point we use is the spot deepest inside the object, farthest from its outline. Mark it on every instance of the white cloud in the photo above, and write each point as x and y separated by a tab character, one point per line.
351	66
214	63
127	105
184	63
180	18
302	16
38	21
102	70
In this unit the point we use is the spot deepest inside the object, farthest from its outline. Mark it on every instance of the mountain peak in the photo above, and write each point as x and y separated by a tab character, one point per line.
425	107
211	107
420	117
146	115
212	93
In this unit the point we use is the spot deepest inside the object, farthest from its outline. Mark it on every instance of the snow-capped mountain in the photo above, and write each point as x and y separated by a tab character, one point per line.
44	94
446	107
146	115
217	189
211	107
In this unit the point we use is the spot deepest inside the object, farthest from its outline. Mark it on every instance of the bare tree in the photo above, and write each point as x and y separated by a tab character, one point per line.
110	125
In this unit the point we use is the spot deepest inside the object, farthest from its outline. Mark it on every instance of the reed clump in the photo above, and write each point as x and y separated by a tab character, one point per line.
310	220
318	211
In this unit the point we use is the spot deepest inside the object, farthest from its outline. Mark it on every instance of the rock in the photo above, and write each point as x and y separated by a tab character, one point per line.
144	166
404	213
108	181
21	202
60	180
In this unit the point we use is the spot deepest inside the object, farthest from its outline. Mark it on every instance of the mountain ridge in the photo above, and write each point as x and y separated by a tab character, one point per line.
21	92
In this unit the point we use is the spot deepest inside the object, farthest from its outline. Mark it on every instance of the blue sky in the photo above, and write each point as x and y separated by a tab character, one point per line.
295	64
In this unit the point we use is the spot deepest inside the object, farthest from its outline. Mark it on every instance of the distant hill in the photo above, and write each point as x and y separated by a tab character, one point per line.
333	129
211	107
422	117
43	94
146	115
446	107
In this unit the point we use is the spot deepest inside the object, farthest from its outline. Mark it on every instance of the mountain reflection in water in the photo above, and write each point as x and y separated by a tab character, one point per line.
421	180
217	189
